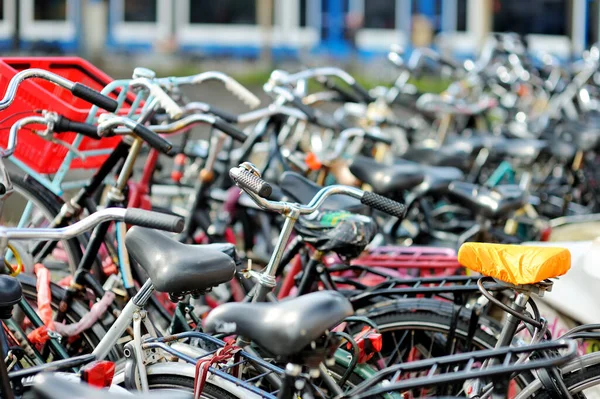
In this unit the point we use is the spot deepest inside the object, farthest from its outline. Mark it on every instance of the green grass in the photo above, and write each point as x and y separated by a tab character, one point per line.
258	77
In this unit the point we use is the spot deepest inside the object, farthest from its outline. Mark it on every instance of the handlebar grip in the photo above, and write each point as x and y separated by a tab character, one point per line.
153	139
225	115
93	97
364	93
66	125
383	204
230	130
170	106
310	112
245	95
379	139
154	220
249	181
344	95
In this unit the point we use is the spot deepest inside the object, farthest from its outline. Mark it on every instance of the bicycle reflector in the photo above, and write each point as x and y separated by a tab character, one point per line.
369	342
98	374
545	234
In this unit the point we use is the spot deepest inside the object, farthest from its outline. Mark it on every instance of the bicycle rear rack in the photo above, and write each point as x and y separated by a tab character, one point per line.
227	369
456	369
448	288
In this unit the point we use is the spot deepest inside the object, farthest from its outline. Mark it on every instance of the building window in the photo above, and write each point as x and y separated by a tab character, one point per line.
592	23
303	11
380	14
545	17
238	12
461	15
140	11
50	10
432	9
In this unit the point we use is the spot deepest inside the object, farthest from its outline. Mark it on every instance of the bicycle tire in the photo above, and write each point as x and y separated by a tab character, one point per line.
50	205
181	383
575	381
76	311
428	316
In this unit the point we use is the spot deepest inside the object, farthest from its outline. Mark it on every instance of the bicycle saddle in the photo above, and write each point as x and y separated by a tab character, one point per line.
387	180
303	190
493	203
175	267
437	178
515	264
283	328
10	294
347	234
447	155
48	386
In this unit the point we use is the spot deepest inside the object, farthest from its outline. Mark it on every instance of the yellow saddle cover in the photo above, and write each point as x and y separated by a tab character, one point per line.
515	264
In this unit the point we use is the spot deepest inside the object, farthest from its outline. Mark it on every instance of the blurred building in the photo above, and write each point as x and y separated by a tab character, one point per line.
338	27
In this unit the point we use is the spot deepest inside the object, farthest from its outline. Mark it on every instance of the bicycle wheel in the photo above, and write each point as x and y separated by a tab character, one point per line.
423	334
89	339
583	383
32	205
166	382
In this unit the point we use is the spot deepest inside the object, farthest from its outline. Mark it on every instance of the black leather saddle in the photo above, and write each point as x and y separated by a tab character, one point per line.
387	180
282	328
437	178
347	234
10	294
178	268
391	180
49	386
302	190
493	203
448	155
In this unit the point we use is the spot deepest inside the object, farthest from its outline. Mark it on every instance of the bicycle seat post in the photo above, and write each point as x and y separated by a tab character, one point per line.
266	279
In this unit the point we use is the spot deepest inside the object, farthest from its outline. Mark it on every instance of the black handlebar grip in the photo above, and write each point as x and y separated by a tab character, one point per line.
309	111
249	181
153	139
383	204
66	125
230	130
344	95
363	92
154	220
94	97
225	115
378	139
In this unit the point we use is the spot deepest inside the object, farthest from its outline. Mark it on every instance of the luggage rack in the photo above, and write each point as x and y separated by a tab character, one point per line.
226	367
455	369
451	288
418	261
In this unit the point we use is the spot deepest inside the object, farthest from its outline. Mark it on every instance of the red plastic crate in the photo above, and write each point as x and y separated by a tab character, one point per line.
35	94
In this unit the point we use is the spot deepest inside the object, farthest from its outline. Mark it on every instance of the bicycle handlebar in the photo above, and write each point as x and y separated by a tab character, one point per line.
138	217
254	185
153	139
279	77
165	101
189	122
78	90
232	85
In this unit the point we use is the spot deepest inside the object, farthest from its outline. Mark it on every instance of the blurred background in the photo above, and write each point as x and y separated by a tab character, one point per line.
253	36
